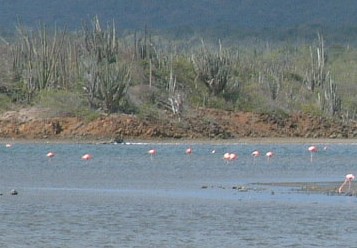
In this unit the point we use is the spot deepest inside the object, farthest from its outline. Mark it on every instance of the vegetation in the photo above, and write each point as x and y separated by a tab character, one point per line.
95	69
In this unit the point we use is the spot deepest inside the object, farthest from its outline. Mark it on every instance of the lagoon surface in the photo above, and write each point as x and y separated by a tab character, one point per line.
123	197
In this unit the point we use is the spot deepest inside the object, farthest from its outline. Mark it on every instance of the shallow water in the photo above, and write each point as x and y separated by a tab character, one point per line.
123	197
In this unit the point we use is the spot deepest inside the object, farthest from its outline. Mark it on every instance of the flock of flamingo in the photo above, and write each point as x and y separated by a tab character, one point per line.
227	156
86	156
231	157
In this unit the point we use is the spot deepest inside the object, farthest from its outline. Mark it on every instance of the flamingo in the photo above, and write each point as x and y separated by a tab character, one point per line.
152	152
50	154
87	157
233	156
348	179
189	151
226	156
312	150
230	156
255	154
269	155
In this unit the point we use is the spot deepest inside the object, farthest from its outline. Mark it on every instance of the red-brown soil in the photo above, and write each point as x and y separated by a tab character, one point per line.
199	124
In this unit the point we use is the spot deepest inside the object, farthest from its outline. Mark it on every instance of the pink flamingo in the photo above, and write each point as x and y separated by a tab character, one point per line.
255	154
348	179
50	154
230	157
189	151
152	153
87	157
233	156
226	156
269	155
312	150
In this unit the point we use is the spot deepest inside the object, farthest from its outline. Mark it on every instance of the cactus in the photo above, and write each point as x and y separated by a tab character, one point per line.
175	98
316	76
213	69
106	77
36	59
331	103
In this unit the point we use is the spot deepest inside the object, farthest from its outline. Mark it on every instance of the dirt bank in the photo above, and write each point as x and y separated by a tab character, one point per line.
201	124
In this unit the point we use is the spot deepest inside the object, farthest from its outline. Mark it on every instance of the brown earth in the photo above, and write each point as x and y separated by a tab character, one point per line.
201	124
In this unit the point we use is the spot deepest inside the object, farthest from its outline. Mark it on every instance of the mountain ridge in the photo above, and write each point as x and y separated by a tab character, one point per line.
159	14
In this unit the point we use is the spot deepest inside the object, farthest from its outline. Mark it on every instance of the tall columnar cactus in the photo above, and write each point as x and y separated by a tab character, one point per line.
319	79
107	78
114	82
175	97
331	102
316	76
36	59
213	69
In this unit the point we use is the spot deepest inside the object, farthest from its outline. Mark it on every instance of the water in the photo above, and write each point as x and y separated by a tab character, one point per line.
125	198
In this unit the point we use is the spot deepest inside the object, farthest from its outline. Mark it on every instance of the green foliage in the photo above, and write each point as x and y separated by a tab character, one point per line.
65	103
184	71
36	59
95	69
88	114
127	107
217	102
148	112
252	98
5	103
213	69
312	109
105	72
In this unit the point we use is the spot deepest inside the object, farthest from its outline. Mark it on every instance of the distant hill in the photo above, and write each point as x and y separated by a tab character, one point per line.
279	17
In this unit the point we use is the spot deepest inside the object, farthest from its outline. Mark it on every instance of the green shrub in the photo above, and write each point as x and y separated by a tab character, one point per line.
88	114
148	112
218	103
312	109
5	103
63	103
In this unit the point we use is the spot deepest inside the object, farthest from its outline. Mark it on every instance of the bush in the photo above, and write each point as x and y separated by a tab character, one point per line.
64	103
312	109
5	103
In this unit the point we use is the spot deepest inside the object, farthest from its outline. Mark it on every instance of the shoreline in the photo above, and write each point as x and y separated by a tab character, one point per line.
315	141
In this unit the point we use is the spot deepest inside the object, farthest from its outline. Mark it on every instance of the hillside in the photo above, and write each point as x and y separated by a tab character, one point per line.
270	18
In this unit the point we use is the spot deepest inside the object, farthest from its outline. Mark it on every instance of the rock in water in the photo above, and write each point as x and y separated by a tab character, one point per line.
13	192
